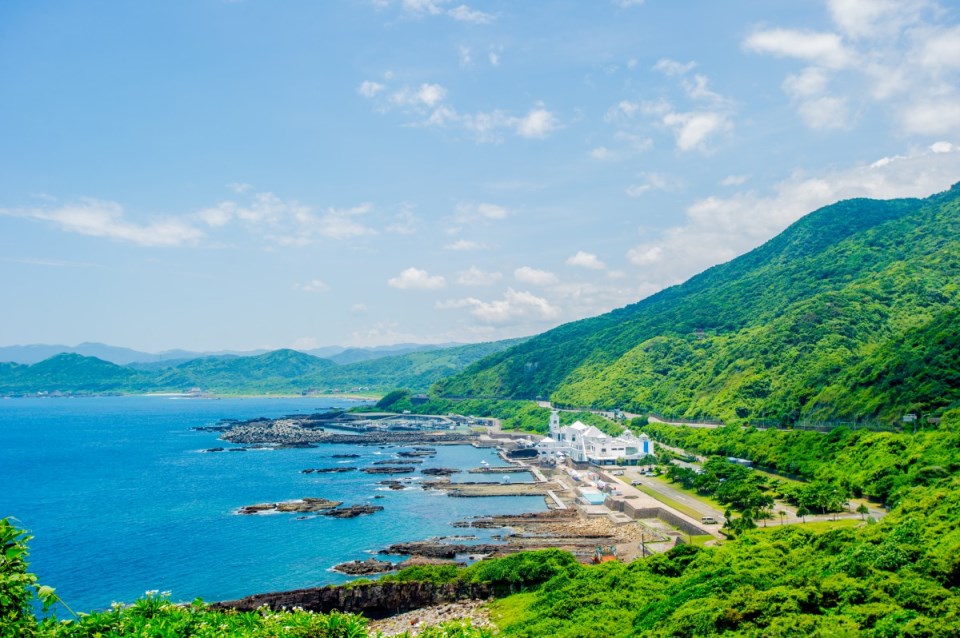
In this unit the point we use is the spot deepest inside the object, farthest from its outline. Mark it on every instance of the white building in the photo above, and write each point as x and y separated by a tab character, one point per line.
587	444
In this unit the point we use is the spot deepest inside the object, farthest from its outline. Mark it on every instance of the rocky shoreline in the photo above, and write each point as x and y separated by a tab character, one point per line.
308	431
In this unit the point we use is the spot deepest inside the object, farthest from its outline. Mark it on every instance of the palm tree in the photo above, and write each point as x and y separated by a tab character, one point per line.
862	509
782	514
802	512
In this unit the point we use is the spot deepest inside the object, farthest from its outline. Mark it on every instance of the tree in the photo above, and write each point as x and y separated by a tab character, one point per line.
802	512
782	514
862	510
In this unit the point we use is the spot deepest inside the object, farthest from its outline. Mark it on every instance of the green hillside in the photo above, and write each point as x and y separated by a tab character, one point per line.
279	371
811	324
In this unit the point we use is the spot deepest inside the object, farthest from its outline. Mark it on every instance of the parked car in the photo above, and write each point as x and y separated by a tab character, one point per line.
708	520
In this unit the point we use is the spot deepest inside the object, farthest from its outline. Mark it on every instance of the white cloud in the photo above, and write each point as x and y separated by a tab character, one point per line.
368	88
810	82
465	58
494	58
314	285
219	215
734	180
476	277
896	54
534	276
514	305
652	182
693	129
825	113
471	211
463	13
428	95
942	147
464	245
875	18
538	123
823	48
99	218
339	223
935	117
358	308
427	7
601	153
586	260
672	68
240	187
417	279
404	222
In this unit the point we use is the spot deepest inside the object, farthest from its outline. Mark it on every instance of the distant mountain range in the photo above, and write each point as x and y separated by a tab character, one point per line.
415	367
35	353
852	312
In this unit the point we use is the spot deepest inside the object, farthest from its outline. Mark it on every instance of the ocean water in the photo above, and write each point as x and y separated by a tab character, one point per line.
120	499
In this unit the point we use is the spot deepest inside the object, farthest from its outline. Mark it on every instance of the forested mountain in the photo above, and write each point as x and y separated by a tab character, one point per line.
278	371
850	312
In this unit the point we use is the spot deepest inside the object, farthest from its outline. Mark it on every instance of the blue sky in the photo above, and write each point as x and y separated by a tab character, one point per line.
212	174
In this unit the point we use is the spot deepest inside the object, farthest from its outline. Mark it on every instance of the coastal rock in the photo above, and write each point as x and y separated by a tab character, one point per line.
394	484
391	469
352	511
395	462
344	456
417	452
434	549
304	505
327	470
365	567
214	449
439	471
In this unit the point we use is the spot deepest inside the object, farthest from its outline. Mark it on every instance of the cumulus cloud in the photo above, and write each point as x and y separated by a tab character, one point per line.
368	88
538	123
534	276
651	182
823	48
693	129
473	276
99	218
514	305
897	55
586	260
464	245
463	13
467	212
314	285
417	279
672	68
429	106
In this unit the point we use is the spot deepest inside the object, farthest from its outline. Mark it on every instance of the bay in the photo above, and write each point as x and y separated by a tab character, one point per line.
121	498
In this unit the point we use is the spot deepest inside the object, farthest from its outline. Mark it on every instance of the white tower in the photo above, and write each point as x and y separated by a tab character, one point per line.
555	425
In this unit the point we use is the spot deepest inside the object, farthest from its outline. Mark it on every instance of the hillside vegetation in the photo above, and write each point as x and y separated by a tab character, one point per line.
279	371
851	312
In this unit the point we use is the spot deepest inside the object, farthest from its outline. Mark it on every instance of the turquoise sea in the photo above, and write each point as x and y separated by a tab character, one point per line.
121	499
